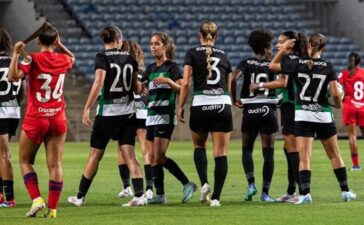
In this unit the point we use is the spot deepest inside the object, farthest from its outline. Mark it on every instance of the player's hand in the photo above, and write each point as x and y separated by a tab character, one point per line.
238	104
180	114
86	118
19	47
161	80
253	87
288	44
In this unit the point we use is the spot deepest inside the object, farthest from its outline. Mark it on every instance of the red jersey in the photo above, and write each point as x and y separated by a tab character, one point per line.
353	86
46	72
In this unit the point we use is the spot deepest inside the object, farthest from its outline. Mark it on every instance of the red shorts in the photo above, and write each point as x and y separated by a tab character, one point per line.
37	128
353	115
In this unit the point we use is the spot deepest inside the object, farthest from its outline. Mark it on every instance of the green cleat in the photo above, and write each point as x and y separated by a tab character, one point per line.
250	192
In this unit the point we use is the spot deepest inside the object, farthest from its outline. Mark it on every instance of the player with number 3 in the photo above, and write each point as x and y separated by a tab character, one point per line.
45	119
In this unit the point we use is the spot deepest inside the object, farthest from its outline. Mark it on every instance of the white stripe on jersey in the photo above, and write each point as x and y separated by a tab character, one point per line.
141	114
199	100
160	119
259	100
158	103
10	112
117	109
315	117
151	86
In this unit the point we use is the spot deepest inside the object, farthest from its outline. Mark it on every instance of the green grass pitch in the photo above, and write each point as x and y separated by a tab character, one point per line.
103	207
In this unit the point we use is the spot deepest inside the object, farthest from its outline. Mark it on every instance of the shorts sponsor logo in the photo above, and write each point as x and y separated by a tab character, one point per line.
260	110
219	107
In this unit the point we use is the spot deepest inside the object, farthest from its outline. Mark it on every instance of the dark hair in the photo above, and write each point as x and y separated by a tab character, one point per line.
354	60
136	51
5	42
110	34
48	35
300	47
260	40
208	30
168	43
317	42
289	34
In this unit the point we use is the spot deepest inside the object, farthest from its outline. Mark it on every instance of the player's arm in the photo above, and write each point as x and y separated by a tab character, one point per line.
281	82
100	75
65	50
138	87
275	65
14	73
235	76
335	93
184	87
175	85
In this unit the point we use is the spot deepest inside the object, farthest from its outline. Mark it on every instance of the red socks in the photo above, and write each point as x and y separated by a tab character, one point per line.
355	159
31	183
54	194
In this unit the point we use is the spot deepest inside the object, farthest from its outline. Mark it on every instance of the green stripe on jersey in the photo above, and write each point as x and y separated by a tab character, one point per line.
313	108
152	76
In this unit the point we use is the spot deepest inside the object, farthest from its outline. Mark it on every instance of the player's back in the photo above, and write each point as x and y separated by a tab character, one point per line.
353	85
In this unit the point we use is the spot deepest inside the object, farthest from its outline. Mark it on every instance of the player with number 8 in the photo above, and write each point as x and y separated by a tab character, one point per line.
45	119
352	80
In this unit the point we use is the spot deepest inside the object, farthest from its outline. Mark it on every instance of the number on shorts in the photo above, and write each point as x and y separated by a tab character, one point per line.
127	72
57	92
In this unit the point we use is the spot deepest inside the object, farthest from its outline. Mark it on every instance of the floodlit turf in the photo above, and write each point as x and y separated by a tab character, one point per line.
104	208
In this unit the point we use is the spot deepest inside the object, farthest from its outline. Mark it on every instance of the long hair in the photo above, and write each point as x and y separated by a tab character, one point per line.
5	42
208	30
168	43
48	35
136	51
110	34
353	61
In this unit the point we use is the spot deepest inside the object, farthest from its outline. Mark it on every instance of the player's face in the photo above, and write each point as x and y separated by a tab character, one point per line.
157	48
281	40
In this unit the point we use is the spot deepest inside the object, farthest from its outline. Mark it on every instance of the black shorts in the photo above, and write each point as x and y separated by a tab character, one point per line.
211	118
120	128
8	126
140	124
322	131
160	131
287	118
259	118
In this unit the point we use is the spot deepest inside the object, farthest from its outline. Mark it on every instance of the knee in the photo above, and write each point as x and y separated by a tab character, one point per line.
160	160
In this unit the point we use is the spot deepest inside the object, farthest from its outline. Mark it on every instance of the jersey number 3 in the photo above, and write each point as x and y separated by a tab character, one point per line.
215	62
56	93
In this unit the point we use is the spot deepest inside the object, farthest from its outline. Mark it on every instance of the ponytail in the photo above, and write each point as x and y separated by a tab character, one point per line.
354	60
208	55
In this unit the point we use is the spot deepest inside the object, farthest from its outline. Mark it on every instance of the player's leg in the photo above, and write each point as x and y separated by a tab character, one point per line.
352	135
200	160
54	151
268	165
124	175
141	133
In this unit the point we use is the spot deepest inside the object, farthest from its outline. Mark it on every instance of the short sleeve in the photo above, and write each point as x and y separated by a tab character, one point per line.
332	74
25	65
176	72
289	64
144	75
100	62
242	66
188	58
68	60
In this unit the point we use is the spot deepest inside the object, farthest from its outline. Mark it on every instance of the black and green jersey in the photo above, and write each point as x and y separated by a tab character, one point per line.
9	105
209	91
255	71
161	99
311	87
116	97
287	93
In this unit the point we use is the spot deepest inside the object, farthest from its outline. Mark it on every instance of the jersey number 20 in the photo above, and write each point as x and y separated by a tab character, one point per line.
127	72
